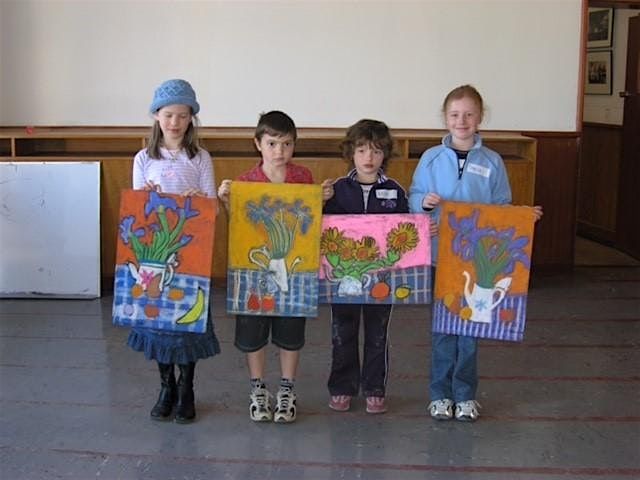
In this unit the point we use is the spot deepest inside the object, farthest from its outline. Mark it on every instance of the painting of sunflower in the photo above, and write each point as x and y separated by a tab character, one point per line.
331	241
367	249
362	256
403	238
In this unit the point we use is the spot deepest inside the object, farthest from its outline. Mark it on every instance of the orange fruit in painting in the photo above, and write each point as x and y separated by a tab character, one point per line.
380	291
176	294
465	313
452	302
448	299
151	311
137	290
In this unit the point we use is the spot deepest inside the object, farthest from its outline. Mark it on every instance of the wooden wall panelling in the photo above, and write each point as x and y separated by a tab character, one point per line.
521	177
555	190
598	178
115	177
77	147
6	147
234	153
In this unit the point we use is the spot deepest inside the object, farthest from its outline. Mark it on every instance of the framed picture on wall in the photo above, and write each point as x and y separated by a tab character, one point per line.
600	28
598	73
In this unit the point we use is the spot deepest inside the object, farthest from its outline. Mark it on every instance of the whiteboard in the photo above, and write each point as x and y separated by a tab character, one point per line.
50	229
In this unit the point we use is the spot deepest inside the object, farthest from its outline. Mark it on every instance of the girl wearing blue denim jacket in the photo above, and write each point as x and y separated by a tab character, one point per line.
463	170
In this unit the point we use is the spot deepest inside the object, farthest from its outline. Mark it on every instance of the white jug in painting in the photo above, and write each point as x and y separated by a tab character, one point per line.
277	267
481	299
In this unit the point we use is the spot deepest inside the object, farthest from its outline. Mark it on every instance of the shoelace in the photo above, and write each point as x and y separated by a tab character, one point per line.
469	407
440	405
261	399
285	398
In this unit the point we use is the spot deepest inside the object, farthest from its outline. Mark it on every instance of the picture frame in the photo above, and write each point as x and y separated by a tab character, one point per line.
600	31
598	73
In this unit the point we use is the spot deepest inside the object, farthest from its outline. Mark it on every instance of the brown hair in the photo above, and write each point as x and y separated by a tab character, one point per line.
464	91
190	140
277	124
364	132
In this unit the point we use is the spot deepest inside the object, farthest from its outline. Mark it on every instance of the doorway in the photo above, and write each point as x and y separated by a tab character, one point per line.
609	168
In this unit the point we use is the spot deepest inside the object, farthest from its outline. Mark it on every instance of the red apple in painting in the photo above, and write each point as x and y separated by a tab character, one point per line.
507	316
253	304
268	303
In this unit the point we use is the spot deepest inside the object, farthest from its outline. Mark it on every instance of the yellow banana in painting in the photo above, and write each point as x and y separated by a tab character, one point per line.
194	312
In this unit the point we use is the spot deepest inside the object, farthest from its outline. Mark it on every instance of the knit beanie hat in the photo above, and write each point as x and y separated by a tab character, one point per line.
174	92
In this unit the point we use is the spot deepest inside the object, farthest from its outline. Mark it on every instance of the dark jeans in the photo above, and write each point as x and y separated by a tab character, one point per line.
346	377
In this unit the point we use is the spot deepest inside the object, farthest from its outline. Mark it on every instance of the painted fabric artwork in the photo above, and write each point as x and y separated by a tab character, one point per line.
375	259
274	249
163	261
482	276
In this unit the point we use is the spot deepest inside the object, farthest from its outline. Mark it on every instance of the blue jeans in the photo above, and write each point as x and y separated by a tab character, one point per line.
454	367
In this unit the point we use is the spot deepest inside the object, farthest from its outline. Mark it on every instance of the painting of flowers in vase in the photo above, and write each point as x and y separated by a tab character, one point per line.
377	258
274	244
482	277
163	261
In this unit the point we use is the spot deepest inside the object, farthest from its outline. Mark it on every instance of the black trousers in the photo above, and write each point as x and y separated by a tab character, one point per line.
346	377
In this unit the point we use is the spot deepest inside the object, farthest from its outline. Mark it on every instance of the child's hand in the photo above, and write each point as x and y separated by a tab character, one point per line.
193	191
150	186
430	201
537	212
223	191
327	189
434	229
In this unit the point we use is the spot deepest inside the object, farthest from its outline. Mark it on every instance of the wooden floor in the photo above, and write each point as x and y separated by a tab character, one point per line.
590	253
563	404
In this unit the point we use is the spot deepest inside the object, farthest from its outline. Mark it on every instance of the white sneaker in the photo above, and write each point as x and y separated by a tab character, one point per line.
441	409
467	411
260	406
285	406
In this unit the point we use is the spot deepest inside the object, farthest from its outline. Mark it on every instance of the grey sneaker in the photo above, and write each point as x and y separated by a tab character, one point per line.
260	406
467	411
441	409
285	406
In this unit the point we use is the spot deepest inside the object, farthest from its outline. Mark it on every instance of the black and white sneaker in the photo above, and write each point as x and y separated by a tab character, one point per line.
260	406
285	406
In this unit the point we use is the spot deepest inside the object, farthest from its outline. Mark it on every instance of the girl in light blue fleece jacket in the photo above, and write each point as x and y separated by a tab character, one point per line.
463	170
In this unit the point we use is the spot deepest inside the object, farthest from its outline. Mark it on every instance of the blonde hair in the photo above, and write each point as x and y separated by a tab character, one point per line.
463	91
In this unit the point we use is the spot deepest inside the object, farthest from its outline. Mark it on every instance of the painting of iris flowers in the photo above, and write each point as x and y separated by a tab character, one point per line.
274	234
483	270
163	261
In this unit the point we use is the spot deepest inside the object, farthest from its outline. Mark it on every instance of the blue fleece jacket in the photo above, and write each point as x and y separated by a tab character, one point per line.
483	180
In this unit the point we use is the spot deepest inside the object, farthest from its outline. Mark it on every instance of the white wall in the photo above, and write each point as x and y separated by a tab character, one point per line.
326	63
610	108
